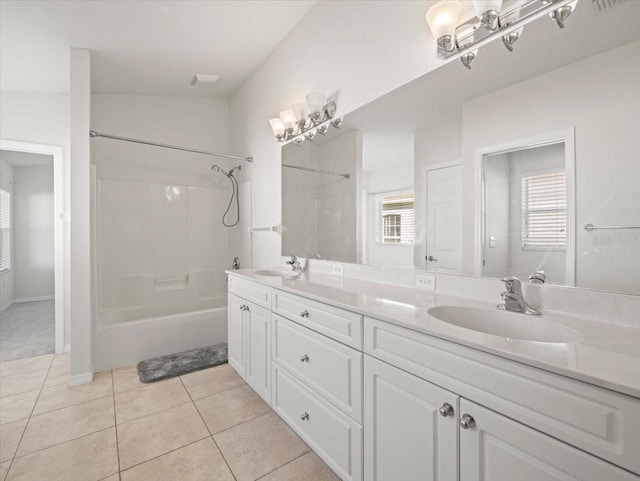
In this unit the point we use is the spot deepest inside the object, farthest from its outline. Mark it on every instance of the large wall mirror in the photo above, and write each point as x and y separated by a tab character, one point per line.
517	167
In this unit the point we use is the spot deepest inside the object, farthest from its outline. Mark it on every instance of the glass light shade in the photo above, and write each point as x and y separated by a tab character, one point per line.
482	6
277	126
301	111
315	101
442	18
288	119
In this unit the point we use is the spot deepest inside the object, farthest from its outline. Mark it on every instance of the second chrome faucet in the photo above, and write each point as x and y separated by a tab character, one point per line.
513	298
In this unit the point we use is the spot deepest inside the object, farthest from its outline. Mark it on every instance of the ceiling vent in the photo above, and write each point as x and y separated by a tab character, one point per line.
204	80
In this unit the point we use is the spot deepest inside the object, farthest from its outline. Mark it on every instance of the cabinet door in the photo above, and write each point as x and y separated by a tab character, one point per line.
497	448
258	349
405	436
236	319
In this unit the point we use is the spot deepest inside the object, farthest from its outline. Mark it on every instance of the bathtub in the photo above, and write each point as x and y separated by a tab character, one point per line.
120	341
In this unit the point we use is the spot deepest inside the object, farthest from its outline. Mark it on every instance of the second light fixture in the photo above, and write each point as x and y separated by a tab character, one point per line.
305	119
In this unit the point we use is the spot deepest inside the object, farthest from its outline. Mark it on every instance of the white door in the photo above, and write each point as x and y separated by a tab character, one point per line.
405	436
236	317
500	449
444	219
258	350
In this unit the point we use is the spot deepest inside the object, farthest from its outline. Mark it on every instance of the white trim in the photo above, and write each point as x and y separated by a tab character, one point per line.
79	379
566	136
33	299
58	202
6	306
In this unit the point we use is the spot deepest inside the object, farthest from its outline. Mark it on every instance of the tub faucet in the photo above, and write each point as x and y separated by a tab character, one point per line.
513	299
295	264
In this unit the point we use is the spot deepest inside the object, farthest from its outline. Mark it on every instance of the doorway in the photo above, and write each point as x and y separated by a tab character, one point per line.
31	250
444	218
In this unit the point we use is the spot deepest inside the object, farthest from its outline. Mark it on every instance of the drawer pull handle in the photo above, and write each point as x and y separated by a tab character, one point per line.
467	422
304	358
304	416
304	313
446	410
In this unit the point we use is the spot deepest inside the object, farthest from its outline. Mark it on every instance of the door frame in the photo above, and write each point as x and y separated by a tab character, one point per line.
565	136
425	175
58	222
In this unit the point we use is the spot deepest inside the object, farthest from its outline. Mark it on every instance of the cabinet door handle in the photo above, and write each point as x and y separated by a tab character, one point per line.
431	259
446	410
467	421
304	358
304	416
246	308
242	307
304	313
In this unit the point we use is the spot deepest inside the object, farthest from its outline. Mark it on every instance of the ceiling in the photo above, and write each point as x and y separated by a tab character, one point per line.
25	159
139	46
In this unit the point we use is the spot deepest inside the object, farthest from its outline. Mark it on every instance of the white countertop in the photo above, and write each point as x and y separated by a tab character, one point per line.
608	355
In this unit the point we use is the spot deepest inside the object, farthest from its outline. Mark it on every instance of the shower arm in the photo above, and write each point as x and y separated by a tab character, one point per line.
93	134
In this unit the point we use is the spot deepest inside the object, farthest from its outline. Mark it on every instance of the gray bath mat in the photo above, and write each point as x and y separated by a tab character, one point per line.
172	365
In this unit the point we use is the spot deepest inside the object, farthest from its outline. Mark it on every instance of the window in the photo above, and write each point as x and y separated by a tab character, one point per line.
395	218
544	211
5	230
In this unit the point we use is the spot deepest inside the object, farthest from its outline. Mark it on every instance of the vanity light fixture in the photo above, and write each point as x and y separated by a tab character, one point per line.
305	120
505	19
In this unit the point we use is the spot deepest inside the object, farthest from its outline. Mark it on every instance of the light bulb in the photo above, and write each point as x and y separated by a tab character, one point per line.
301	111
277	126
288	119
315	101
442	18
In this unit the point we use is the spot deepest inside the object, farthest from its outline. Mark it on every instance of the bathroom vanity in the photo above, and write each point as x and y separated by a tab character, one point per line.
381	389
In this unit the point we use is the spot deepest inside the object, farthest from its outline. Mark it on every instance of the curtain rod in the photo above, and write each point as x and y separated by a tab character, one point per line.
318	171
93	133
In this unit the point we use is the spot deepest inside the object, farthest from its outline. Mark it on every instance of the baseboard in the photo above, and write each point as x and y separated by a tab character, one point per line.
6	306
67	348
78	379
33	299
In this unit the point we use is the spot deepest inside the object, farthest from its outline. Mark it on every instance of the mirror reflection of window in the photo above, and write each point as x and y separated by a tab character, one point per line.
396	218
544	211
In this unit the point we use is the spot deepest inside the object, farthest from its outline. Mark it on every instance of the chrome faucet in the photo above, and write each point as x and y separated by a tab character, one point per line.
513	300
295	264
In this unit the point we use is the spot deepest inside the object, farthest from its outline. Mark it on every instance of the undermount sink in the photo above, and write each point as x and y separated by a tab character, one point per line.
278	273
505	324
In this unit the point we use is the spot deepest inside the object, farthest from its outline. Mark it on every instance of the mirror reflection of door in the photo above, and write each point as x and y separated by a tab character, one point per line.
526	211
444	219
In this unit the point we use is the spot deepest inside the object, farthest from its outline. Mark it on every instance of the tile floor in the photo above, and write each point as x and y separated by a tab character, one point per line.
207	425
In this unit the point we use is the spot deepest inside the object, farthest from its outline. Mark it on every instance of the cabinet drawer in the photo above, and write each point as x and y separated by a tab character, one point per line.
329	367
596	420
333	436
341	325
250	291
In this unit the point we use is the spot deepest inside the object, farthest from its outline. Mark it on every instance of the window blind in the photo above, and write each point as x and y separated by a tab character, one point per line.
5	230
544	211
396	218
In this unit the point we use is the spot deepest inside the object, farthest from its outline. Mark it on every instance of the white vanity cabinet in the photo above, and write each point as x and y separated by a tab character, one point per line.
496	448
382	402
411	426
250	343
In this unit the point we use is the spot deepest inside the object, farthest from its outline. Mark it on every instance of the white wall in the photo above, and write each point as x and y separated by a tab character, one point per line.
350	62
81	199
44	118
7	277
33	222
600	98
